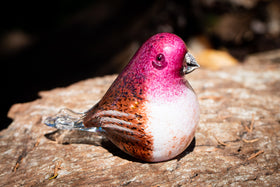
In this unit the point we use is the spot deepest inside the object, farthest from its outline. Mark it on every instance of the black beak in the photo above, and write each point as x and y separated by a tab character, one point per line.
189	64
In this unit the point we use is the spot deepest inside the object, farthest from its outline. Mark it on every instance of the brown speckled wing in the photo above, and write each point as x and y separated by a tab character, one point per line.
122	116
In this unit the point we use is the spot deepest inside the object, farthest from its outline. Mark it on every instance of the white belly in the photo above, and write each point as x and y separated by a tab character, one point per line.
172	124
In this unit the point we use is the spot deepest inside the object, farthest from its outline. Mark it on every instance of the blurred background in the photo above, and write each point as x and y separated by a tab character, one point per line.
44	45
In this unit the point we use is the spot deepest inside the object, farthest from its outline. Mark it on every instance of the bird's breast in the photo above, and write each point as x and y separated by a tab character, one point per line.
172	124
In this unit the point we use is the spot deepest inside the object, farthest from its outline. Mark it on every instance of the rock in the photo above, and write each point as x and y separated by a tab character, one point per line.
237	141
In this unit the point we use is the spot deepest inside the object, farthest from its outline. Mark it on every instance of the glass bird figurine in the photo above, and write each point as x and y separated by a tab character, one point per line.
150	111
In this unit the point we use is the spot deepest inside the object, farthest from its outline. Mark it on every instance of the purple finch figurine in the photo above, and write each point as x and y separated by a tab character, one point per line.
150	111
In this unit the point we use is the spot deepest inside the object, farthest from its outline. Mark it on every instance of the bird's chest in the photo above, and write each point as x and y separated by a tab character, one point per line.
172	124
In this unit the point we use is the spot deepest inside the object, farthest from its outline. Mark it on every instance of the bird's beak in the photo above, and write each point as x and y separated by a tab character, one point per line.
189	64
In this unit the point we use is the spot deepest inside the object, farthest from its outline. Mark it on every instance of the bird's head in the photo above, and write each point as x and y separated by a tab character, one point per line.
164	56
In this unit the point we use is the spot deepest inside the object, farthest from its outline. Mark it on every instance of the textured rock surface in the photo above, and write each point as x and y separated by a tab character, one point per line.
237	141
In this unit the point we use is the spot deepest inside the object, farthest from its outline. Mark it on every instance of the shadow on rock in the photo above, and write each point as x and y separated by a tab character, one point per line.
84	137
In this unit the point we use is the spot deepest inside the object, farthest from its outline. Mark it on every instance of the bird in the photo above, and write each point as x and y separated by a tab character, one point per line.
150	111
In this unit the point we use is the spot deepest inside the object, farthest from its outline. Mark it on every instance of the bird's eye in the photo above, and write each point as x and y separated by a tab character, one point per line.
160	57
159	63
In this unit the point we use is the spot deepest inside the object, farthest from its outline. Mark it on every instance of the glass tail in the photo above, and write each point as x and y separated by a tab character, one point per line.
67	119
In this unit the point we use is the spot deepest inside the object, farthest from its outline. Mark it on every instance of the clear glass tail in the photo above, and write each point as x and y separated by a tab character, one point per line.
67	119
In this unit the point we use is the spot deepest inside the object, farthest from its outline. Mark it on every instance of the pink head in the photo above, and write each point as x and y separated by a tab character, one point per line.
163	56
162	60
160	56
